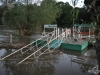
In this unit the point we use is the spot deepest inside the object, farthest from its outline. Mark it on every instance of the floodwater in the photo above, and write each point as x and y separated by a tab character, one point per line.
63	62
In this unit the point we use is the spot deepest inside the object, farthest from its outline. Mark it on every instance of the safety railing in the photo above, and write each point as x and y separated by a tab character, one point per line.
49	38
27	46
39	50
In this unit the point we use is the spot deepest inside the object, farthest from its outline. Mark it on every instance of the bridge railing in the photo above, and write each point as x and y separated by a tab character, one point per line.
42	48
27	46
31	46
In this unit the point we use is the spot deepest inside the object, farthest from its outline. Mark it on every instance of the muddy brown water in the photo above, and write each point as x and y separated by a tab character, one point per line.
65	62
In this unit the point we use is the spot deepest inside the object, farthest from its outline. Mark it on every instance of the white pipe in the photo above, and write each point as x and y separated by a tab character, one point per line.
25	46
38	50
58	33
54	32
89	32
35	51
73	31
36	45
44	31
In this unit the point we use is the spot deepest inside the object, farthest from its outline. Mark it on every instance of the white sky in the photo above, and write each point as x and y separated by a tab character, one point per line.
80	3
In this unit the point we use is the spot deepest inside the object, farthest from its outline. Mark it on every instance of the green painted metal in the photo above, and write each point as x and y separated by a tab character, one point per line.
76	53
78	47
55	44
84	45
84	25
40	42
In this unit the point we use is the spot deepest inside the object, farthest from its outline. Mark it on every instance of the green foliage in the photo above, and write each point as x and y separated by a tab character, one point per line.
75	13
16	16
98	17
26	17
65	19
83	16
49	11
91	41
1	16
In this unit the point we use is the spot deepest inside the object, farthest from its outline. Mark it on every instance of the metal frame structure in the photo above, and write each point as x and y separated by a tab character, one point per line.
51	36
77	29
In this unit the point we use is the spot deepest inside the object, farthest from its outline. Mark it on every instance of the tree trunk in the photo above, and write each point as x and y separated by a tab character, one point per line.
21	33
24	31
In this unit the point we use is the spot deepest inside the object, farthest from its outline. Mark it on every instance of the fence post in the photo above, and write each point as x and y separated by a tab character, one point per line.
10	38
56	32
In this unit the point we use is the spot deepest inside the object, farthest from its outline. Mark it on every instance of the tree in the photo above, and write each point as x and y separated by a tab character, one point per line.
65	19
1	16
16	17
7	3
74	12
26	16
83	16
93	6
49	11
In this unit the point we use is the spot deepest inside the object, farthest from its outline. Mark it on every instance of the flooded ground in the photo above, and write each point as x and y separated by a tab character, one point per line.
63	62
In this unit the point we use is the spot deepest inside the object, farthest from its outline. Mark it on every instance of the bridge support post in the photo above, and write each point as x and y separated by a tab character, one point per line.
62	34
54	32
21	52
89	33
58	33
36	45
31	48
10	38
34	56
66	35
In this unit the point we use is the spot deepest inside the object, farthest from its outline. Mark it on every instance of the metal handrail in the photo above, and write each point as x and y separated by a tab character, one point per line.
25	46
38	50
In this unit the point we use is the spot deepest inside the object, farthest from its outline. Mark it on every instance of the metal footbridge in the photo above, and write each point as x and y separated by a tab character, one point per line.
46	43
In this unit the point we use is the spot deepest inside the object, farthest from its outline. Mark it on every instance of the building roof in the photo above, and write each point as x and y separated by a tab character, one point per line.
84	25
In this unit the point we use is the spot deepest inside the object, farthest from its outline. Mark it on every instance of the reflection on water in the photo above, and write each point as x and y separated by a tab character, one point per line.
48	64
66	62
40	66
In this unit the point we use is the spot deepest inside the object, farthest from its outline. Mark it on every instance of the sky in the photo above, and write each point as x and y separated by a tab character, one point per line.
80	2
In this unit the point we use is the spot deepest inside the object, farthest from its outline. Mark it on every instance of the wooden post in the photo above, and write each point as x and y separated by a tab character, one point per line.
10	38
